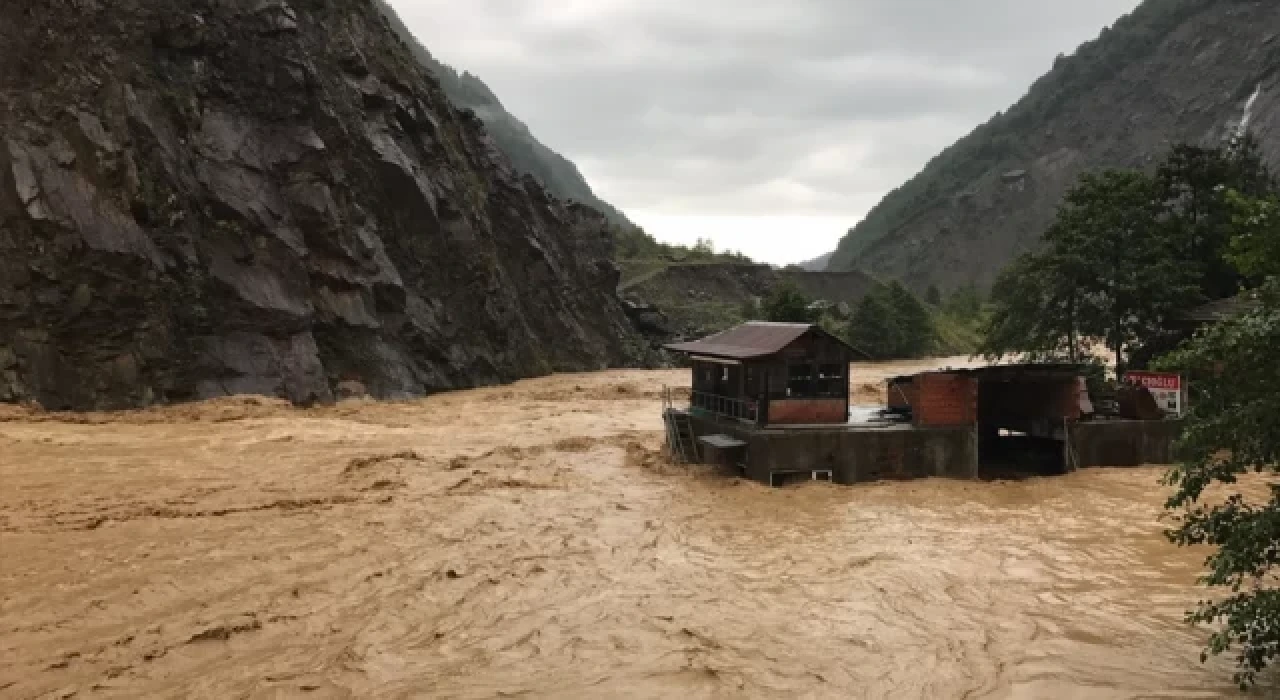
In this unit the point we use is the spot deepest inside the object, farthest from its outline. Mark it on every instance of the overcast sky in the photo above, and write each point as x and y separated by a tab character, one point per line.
770	126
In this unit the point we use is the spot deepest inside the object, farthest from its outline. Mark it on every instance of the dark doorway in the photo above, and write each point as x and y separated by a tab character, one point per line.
1020	431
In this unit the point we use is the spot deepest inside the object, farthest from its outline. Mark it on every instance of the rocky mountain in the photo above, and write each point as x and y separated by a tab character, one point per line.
557	173
207	197
1172	71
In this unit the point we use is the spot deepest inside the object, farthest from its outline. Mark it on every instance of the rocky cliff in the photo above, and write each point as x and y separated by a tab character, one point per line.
1172	71
204	197
529	156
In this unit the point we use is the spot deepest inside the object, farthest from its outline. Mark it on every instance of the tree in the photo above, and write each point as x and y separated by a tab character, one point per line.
1255	249
1193	185
1037	303
787	304
872	329
1232	429
916	333
932	296
1108	270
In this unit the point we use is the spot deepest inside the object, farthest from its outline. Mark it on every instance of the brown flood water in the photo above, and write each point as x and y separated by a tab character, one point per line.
530	541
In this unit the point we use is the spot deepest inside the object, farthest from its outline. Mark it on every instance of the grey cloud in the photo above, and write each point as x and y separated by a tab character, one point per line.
768	107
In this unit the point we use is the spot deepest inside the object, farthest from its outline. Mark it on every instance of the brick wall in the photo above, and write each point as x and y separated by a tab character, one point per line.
807	412
945	400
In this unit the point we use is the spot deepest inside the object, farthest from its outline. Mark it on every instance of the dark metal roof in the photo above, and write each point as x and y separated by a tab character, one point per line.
1220	310
1023	369
750	340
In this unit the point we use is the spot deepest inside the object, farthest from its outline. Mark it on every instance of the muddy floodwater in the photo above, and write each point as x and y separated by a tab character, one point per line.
531	541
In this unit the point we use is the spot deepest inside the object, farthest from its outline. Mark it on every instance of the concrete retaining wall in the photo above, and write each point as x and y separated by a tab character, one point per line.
854	456
1124	443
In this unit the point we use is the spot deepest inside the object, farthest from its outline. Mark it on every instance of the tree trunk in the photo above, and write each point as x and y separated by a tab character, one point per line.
1071	333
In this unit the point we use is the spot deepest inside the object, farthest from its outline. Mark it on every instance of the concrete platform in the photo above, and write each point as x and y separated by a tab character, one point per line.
860	452
850	453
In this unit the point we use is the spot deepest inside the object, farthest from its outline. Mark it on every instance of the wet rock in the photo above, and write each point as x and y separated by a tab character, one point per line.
351	389
237	218
80	300
276	17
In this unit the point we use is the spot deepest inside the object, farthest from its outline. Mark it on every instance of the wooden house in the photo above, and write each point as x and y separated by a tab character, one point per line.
771	374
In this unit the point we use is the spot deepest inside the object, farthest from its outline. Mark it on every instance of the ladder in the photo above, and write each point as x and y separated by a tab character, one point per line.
681	441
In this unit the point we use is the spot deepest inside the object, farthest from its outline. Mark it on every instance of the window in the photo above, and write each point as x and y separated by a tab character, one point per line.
724	375
830	381
800	381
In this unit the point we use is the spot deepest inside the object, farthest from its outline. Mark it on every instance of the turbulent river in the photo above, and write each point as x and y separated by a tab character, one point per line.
531	541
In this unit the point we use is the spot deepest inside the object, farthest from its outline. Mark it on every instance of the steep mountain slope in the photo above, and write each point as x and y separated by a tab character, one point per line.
1173	70
203	197
559	175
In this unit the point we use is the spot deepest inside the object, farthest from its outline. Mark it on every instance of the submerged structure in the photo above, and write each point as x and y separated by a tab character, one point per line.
772	401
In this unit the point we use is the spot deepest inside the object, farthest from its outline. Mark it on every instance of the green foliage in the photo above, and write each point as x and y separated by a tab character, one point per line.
873	330
1195	186
1233	428
1255	249
1126	251
965	302
632	243
787	304
958	333
891	323
916	333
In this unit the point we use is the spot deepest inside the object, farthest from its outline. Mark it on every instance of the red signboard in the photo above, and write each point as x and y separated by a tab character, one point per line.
1166	388
1155	380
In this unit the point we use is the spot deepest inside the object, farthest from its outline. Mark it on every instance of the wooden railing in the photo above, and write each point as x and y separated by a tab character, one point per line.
747	411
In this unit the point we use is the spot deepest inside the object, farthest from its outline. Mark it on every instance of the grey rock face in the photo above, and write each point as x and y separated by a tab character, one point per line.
1172	71
215	197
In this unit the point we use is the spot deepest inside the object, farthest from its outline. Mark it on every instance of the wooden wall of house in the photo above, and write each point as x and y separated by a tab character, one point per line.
718	379
816	351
